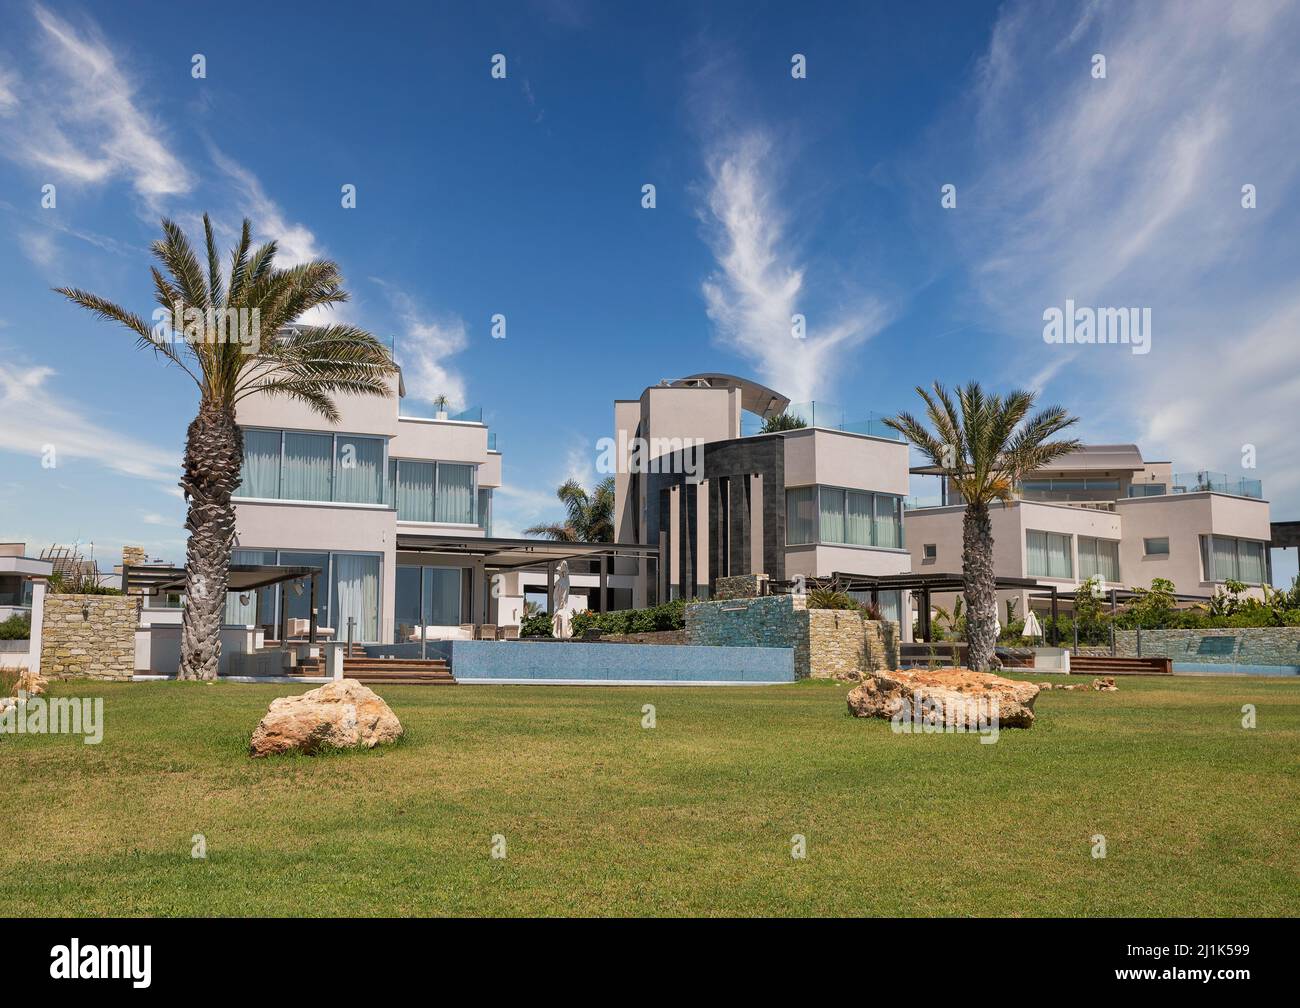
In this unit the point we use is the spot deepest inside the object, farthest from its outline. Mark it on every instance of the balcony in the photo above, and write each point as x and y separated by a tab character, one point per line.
1214	482
829	416
416	410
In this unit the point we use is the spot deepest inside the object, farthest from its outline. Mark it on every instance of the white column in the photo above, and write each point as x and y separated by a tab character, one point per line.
38	624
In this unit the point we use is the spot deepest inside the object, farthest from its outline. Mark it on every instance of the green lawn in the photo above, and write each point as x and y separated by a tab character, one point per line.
695	816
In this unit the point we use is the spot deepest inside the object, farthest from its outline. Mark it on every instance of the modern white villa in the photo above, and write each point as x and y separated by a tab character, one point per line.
717	500
393	506
1105	512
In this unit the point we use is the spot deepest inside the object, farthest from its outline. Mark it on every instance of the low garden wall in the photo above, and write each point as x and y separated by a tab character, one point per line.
827	643
1249	645
91	636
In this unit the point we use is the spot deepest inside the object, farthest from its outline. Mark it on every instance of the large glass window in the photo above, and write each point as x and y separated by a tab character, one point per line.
414	491
485	511
1098	558
359	469
832	516
297	594
801	515
427	596
888	529
261	474
307	471
293	465
355	596
1228	559
1047	554
836	516
259	609
455	500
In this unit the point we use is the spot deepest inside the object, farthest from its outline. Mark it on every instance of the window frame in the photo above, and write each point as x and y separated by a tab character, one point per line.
872	495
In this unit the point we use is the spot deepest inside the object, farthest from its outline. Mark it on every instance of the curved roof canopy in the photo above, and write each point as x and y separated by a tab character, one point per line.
754	397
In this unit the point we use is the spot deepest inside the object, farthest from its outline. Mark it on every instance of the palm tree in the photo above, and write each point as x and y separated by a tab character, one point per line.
986	450
193	331
591	516
783	422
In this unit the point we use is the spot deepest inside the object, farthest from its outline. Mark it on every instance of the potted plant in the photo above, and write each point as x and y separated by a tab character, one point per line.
440	403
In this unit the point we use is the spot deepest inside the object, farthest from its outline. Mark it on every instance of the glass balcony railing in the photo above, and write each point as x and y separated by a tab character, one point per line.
417	410
1200	482
831	416
492	441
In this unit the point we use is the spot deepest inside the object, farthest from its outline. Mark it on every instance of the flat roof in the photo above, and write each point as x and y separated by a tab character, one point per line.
512	553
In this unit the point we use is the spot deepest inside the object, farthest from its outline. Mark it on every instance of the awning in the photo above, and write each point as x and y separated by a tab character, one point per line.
243	577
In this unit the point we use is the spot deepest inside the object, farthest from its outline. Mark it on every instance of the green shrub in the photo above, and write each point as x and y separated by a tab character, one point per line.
669	616
824	598
537	626
16	627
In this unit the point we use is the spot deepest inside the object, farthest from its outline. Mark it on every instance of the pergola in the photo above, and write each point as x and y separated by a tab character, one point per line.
243	577
489	554
926	584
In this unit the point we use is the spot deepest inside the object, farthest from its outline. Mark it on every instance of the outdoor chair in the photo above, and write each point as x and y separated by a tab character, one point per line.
487	631
510	633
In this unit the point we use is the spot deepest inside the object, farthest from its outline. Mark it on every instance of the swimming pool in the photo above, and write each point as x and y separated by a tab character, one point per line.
1216	668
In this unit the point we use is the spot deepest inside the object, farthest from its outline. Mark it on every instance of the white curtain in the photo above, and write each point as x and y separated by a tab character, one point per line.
261	473
415	491
356	595
1059	564
455	493
888	526
832	516
1225	559
307	465
800	515
1252	562
1036	553
857	519
358	469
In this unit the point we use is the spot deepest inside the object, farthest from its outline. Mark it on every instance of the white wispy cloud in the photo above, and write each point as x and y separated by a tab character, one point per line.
35	418
39	247
1126	191
77	116
760	284
423	346
295	243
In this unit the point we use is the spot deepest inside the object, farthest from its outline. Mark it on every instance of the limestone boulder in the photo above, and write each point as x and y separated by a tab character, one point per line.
902	694
342	714
32	682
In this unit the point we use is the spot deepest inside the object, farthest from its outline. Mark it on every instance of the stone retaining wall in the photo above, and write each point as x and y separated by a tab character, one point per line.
89	635
649	637
1253	645
826	642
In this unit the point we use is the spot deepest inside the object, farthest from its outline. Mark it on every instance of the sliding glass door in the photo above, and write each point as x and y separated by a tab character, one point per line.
427	596
355	596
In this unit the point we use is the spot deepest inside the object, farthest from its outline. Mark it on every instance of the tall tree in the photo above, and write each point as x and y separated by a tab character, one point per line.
236	337
985	449
590	516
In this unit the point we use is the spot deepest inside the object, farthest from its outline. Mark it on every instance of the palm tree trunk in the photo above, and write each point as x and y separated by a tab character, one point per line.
214	449
981	596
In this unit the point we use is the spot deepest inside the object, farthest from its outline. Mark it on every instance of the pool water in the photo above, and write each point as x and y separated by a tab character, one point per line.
1215	668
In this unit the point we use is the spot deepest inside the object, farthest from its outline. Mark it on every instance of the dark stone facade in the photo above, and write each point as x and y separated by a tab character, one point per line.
730	468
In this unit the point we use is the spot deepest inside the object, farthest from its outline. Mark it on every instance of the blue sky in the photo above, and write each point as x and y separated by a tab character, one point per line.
775	195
